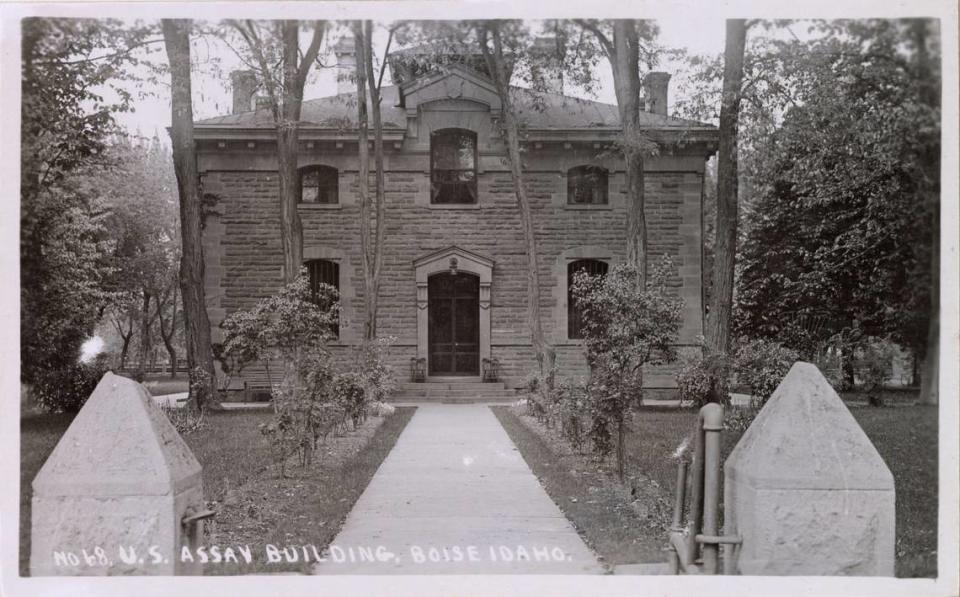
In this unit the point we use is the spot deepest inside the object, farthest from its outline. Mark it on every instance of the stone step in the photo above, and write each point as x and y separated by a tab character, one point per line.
395	399
451	385
501	393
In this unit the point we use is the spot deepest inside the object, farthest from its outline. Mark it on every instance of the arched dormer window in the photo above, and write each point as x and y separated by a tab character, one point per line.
587	185
592	267
453	166
324	271
319	184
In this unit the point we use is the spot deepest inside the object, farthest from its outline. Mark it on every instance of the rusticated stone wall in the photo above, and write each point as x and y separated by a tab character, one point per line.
244	262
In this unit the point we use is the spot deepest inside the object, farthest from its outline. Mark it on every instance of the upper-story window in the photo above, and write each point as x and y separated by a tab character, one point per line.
319	184
587	185
453	166
324	271
592	267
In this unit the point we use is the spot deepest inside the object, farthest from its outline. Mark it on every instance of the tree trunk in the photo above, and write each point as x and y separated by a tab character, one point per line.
625	61
373	295
167	333
545	353
363	182
288	137
176	34
142	354
725	252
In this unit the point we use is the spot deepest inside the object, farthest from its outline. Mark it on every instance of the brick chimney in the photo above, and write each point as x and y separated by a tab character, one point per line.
244	86
346	54
548	64
655	86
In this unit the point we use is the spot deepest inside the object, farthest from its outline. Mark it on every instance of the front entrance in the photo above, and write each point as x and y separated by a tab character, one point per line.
454	324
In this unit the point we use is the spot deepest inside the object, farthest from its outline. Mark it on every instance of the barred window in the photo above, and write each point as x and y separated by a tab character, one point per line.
453	166
593	267
324	271
319	184
587	185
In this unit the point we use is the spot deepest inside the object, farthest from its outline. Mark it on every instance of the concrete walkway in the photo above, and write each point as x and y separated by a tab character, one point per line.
454	496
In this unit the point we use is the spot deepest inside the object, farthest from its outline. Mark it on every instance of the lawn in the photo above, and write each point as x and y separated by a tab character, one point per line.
905	436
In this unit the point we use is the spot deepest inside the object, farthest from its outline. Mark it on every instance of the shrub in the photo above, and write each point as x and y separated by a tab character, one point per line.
67	390
761	365
378	377
294	325
626	326
351	396
873	363
696	375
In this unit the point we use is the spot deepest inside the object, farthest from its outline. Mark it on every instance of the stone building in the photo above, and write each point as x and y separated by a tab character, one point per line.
453	289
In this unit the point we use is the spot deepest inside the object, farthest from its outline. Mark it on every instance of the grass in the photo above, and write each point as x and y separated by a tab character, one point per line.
604	513
310	506
905	436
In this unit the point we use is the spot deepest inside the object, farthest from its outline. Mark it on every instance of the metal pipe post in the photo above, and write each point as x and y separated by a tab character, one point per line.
696	492
712	417
677	526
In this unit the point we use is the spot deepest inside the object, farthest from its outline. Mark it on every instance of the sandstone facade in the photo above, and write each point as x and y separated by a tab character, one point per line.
242	236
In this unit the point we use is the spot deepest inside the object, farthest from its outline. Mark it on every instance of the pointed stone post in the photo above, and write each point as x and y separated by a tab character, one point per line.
806	490
113	496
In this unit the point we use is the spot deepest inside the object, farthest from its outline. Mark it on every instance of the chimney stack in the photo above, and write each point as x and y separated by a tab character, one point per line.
655	86
346	54
546	53
244	86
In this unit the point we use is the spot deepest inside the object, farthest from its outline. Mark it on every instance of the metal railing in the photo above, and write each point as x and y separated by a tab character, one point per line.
694	547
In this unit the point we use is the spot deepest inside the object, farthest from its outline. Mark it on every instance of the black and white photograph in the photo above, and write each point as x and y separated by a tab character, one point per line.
461	298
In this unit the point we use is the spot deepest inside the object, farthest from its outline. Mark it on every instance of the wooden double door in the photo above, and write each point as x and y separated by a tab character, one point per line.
453	331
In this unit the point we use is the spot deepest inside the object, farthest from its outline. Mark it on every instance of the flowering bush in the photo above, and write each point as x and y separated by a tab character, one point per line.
295	326
626	326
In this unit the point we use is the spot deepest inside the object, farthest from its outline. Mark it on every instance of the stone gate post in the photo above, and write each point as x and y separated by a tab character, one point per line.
112	496
806	489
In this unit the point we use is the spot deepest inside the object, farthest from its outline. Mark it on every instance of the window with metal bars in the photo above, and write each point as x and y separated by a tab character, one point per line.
587	185
319	184
453	166
593	267
324	271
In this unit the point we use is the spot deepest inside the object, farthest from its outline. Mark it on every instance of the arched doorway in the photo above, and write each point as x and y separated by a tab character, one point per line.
453	335
470	275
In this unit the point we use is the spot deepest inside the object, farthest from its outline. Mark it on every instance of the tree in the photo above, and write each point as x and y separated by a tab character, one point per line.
620	42
176	33
372	249
725	252
491	39
841	242
65	125
283	73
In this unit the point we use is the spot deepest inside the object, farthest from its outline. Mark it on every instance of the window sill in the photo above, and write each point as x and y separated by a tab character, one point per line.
588	206
453	205
321	206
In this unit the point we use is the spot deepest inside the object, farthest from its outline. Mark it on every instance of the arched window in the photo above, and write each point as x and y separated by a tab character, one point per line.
587	185
324	271
453	166
593	267
319	184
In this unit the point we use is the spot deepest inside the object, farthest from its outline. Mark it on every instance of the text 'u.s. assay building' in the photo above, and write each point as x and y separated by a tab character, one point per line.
453	289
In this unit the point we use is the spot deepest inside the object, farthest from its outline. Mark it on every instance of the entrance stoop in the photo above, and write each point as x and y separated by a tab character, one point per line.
454	390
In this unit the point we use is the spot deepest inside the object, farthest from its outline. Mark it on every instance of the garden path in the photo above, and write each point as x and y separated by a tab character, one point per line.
454	496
